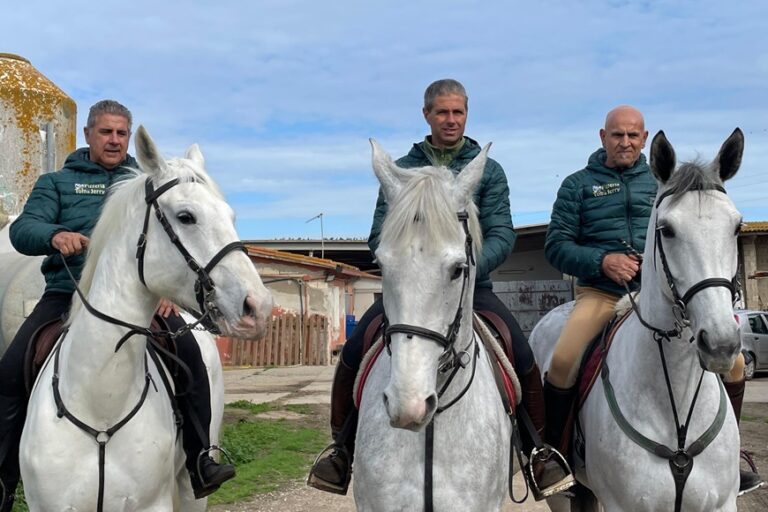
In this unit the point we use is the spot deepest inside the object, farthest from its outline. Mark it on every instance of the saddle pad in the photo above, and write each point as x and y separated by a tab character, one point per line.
506	379
592	362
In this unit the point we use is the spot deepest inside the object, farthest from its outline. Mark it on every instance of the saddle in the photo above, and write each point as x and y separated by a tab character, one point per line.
45	338
493	332
589	370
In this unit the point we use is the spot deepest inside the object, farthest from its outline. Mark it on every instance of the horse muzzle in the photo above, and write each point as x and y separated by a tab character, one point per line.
410	414
254	320
717	352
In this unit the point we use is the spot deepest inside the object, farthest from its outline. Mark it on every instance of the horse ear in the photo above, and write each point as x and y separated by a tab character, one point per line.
729	157
150	159
663	159
469	177
386	171
194	154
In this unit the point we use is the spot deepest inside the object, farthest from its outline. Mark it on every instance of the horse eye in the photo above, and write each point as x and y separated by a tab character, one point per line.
667	232
458	271
186	218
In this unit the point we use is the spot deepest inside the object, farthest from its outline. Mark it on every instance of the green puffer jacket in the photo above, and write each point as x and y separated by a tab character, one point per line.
596	208
491	198
67	200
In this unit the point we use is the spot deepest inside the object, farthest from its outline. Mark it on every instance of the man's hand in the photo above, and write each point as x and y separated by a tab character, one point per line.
620	267
166	307
69	243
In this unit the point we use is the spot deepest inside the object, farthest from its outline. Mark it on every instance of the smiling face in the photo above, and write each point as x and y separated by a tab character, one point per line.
623	137
447	118
108	140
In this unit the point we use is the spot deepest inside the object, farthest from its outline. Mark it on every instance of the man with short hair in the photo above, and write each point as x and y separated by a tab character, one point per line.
445	111
599	211
57	220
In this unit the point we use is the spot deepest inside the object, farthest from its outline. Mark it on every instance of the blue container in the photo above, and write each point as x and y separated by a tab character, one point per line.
351	324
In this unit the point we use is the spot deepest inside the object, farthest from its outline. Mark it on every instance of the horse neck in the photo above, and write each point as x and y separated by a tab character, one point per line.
89	357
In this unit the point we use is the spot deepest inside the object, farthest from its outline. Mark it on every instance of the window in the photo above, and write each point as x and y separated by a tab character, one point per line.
757	324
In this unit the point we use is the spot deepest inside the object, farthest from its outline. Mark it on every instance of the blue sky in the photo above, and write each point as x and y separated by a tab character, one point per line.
282	96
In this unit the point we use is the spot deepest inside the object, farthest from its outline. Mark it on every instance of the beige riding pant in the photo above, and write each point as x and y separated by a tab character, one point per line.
591	312
593	309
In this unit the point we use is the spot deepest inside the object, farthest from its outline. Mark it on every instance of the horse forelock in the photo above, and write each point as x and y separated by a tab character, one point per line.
692	176
426	209
125	200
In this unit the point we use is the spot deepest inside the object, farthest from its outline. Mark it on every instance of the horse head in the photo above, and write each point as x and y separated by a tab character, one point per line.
193	227
693	235
426	252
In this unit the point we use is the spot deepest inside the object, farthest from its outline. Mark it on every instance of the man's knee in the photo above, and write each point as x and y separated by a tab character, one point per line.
737	371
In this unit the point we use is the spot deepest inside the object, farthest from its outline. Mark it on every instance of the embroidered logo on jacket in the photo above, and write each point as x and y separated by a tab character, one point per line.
91	189
605	189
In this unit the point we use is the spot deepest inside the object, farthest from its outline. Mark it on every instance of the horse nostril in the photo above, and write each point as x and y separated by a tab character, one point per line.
703	341
247	309
431	403
386	401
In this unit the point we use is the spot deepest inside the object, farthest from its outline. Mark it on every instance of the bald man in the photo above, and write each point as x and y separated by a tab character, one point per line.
597	208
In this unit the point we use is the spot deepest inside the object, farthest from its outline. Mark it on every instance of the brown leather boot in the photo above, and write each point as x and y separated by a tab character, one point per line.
748	480
332	470
533	397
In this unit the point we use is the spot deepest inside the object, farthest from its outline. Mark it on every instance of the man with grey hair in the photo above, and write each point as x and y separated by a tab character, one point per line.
57	220
445	111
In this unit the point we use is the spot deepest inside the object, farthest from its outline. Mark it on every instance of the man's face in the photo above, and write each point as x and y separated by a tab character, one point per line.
108	140
623	138
447	119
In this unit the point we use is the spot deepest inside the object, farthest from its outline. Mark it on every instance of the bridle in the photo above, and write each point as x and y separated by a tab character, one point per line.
681	459
205	291
205	288
450	359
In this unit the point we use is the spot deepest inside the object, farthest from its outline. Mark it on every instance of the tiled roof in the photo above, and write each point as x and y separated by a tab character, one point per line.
308	261
755	227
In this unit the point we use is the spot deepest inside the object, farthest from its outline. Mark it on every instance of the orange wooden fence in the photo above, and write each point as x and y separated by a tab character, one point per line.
282	346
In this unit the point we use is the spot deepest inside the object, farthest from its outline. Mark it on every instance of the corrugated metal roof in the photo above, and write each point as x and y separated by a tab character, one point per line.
336	267
754	227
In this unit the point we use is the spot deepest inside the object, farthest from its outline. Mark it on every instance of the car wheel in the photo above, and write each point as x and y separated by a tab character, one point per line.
749	369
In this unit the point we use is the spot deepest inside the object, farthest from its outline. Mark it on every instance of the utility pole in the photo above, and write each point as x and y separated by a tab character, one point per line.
322	235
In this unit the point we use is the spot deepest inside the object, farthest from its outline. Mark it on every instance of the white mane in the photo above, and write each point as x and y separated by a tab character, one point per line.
425	208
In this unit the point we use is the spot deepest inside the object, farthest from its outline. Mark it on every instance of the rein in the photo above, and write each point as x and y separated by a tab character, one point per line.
681	459
450	359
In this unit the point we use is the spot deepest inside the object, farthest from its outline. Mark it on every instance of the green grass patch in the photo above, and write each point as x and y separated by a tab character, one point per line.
267	454
747	417
251	407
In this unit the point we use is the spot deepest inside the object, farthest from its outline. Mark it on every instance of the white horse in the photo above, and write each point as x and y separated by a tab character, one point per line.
690	256
428	271
120	392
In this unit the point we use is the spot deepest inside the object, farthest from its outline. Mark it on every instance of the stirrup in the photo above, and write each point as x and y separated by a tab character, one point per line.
546	454
757	484
323	485
207	451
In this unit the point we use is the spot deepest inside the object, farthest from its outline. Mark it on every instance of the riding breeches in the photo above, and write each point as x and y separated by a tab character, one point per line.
484	299
52	305
592	310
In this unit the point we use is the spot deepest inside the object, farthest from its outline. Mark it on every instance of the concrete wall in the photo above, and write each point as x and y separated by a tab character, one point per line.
37	129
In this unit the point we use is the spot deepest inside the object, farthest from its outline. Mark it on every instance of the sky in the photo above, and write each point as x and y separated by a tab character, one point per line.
282	96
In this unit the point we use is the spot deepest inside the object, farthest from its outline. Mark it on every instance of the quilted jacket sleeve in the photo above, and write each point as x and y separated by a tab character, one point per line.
561	248
32	231
495	219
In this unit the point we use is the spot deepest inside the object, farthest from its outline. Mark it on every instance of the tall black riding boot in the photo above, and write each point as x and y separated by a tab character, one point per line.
550	471
748	480
332	470
12	412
